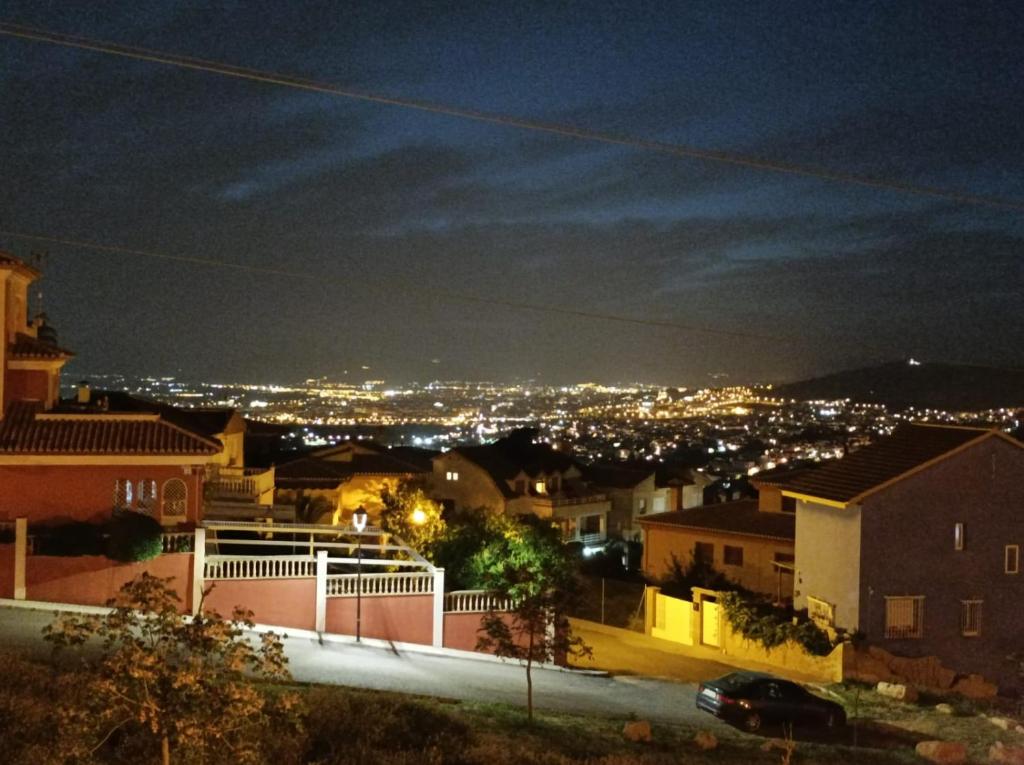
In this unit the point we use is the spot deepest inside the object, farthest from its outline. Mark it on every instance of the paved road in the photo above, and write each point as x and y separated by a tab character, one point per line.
364	666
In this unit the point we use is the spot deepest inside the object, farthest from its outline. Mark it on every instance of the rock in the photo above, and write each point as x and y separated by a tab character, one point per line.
1006	755
1018	729
1000	722
947	752
897	691
639	730
944	709
705	740
974	687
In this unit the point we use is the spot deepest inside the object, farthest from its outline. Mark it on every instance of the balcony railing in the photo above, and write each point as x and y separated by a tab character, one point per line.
474	601
237	484
570	501
260	567
347	585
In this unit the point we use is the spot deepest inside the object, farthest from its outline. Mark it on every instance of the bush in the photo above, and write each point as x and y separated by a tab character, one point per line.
134	537
70	539
763	623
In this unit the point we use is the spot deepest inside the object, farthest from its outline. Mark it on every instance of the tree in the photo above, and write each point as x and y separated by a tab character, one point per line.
178	684
410	514
528	565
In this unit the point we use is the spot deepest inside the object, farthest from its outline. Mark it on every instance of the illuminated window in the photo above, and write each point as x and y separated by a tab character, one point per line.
175	497
146	495
540	487
970	618
958	536
1011	559
452	475
122	494
904	617
732	556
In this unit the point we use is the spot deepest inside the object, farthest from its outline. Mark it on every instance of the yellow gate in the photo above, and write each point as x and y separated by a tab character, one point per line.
710	623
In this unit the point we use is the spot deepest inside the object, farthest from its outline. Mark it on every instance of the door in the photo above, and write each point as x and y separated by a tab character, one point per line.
709	623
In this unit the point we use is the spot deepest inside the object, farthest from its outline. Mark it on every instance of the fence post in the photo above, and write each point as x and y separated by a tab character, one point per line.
650	608
20	551
321	590
198	568
438	641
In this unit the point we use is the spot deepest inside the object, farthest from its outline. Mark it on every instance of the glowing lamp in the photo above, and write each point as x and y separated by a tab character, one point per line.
359	518
419	517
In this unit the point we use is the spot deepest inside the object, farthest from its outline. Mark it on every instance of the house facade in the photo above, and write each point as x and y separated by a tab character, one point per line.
516	476
915	542
633	492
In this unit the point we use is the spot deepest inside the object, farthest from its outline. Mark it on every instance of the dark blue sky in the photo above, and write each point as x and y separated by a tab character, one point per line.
390	209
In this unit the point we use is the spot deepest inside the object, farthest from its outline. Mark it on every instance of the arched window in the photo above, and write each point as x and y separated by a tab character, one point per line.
175	497
122	494
146	496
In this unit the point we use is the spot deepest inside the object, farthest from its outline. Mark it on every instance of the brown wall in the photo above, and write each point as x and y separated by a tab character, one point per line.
7	571
92	580
757	573
45	493
404	618
27	384
281	602
907	549
461	631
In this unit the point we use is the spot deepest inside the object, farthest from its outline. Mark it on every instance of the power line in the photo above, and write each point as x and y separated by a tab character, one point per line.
448	295
569	131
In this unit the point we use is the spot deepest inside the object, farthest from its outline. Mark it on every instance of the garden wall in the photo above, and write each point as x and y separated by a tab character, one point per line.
402	618
790	656
278	602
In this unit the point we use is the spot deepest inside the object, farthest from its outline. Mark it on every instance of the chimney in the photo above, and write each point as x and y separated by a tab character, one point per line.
84	394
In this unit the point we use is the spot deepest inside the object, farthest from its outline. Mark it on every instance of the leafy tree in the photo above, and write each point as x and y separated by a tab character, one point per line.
178	684
527	564
681	580
410	514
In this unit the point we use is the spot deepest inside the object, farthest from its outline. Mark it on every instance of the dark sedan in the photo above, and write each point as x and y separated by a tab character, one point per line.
753	699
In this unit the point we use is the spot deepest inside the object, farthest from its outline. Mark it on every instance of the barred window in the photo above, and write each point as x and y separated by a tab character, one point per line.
147	495
732	556
175	497
904	617
122	494
970	618
1011	559
704	552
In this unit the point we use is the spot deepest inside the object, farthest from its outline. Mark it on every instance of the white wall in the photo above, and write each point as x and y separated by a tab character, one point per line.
828	559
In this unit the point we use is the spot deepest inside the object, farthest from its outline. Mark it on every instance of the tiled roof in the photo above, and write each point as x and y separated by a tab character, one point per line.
740	517
28	347
616	476
27	430
910	446
205	421
315	472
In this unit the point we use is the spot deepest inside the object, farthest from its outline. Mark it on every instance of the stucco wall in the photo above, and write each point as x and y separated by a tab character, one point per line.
474	488
7	570
282	602
402	618
92	580
44	493
27	384
756	573
909	550
828	542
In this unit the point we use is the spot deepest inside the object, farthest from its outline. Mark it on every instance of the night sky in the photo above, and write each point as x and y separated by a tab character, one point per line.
390	212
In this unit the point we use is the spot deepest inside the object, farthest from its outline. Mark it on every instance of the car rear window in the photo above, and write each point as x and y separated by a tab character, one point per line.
731	682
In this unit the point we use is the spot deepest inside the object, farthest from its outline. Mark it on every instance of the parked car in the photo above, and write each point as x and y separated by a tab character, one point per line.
753	699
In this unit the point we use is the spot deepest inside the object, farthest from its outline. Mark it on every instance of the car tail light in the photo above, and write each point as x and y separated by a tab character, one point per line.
726	699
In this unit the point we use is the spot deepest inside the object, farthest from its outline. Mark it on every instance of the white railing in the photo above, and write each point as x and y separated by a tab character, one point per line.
259	567
474	601
344	585
178	541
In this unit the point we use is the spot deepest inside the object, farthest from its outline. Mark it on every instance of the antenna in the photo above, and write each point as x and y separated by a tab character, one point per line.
38	259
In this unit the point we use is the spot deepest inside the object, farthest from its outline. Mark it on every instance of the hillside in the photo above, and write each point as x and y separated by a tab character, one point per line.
901	384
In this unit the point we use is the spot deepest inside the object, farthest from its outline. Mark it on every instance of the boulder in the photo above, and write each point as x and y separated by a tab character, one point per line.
946	752
897	691
705	740
974	687
1000	722
637	730
944	709
1006	755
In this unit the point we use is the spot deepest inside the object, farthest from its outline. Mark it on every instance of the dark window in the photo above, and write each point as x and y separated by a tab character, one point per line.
521	486
704	552
789	504
590	524
784	558
733	556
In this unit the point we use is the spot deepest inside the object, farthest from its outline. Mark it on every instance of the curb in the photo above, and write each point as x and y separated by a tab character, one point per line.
320	637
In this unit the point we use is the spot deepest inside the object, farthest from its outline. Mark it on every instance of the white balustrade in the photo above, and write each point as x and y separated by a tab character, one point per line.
260	567
178	541
344	585
474	601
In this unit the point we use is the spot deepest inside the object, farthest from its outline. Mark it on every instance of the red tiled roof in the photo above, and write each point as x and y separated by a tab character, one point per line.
739	517
26	430
910	447
28	347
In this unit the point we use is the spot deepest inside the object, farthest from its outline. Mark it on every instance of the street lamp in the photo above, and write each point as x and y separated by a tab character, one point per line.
418	516
359	521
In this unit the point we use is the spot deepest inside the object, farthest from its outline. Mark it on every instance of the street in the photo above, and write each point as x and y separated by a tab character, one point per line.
364	666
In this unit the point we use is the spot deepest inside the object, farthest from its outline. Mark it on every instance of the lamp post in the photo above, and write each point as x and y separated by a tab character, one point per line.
359	521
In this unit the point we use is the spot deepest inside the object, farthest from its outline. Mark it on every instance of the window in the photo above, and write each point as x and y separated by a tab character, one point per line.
642	506
520	486
704	552
553	484
789	504
146	495
821	612
733	556
590	524
904	617
1011	559
122	494
540	487
781	557
970	618
958	536
451	475
175	497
